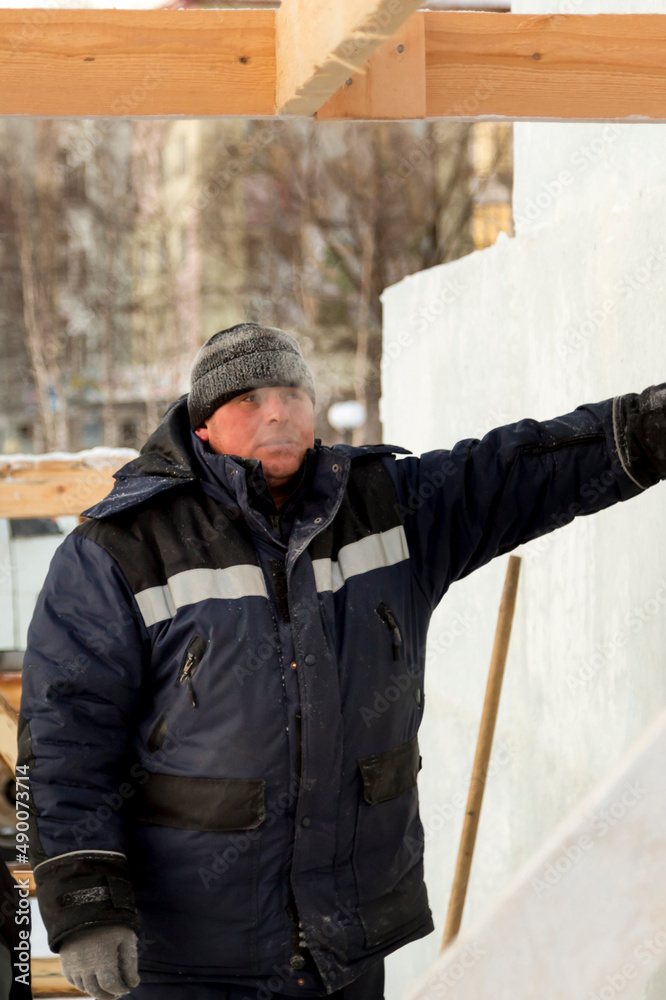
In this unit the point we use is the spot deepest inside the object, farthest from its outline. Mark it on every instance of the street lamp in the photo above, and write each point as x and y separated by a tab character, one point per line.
346	416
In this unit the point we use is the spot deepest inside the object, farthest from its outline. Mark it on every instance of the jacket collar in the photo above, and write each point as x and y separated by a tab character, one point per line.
169	458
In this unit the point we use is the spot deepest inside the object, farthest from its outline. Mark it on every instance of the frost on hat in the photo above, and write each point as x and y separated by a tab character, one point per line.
246	356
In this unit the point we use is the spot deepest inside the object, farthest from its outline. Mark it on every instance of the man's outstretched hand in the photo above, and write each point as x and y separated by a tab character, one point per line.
101	961
640	432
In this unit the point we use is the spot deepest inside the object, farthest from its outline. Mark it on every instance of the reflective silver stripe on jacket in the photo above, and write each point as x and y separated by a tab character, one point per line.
157	604
193	585
87	853
385	548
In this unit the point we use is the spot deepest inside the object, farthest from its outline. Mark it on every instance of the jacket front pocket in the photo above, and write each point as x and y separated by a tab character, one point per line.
214	805
386	775
389	620
388	846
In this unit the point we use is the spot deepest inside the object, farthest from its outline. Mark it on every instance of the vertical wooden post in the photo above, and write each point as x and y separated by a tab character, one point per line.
483	748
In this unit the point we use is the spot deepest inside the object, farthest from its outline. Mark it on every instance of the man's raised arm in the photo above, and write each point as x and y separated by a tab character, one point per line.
463	506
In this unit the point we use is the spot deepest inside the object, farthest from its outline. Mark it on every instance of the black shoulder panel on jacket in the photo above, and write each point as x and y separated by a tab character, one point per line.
184	530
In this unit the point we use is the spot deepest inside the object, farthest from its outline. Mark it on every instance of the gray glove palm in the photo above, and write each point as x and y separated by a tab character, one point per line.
101	961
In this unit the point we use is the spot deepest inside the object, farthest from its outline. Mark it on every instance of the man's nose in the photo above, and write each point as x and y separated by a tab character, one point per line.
275	408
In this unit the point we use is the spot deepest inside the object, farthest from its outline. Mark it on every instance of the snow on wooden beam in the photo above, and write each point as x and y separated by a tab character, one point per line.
57	484
586	917
134	63
320	43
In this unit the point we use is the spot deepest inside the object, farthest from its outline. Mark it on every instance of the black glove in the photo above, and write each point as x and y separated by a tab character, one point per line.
640	433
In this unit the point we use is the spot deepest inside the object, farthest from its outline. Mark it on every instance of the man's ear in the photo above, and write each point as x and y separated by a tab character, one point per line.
203	433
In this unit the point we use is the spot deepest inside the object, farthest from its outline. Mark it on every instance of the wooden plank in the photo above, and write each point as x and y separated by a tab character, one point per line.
559	67
586	916
20	871
48	980
571	67
10	687
51	488
319	44
392	84
8	734
134	63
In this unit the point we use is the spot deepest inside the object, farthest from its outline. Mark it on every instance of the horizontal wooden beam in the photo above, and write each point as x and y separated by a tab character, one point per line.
55	487
320	43
564	67
167	63
136	63
569	67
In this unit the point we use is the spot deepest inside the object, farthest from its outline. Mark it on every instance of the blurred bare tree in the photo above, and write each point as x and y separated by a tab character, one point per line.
125	244
335	212
33	219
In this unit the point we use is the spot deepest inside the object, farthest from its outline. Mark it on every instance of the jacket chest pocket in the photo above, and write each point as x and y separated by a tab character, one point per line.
191	660
389	620
193	656
388	845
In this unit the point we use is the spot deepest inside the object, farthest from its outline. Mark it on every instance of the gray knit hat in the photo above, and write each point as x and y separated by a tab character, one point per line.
246	356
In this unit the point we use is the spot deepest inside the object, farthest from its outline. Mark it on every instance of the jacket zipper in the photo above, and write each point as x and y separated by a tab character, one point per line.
297	941
388	618
276	521
541	449
193	657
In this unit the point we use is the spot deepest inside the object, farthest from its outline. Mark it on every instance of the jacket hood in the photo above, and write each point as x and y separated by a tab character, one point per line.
167	460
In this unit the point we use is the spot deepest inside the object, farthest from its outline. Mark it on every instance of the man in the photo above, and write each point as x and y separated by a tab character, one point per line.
207	767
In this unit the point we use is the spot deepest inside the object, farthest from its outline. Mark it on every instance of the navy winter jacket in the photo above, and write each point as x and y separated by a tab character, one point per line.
209	761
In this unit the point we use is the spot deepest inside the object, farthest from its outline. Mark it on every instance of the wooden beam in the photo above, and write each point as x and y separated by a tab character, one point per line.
8	734
563	67
554	66
135	63
48	980
10	687
319	44
50	487
559	67
392	84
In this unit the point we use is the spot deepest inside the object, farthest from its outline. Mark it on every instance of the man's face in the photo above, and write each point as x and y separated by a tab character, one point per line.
274	424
